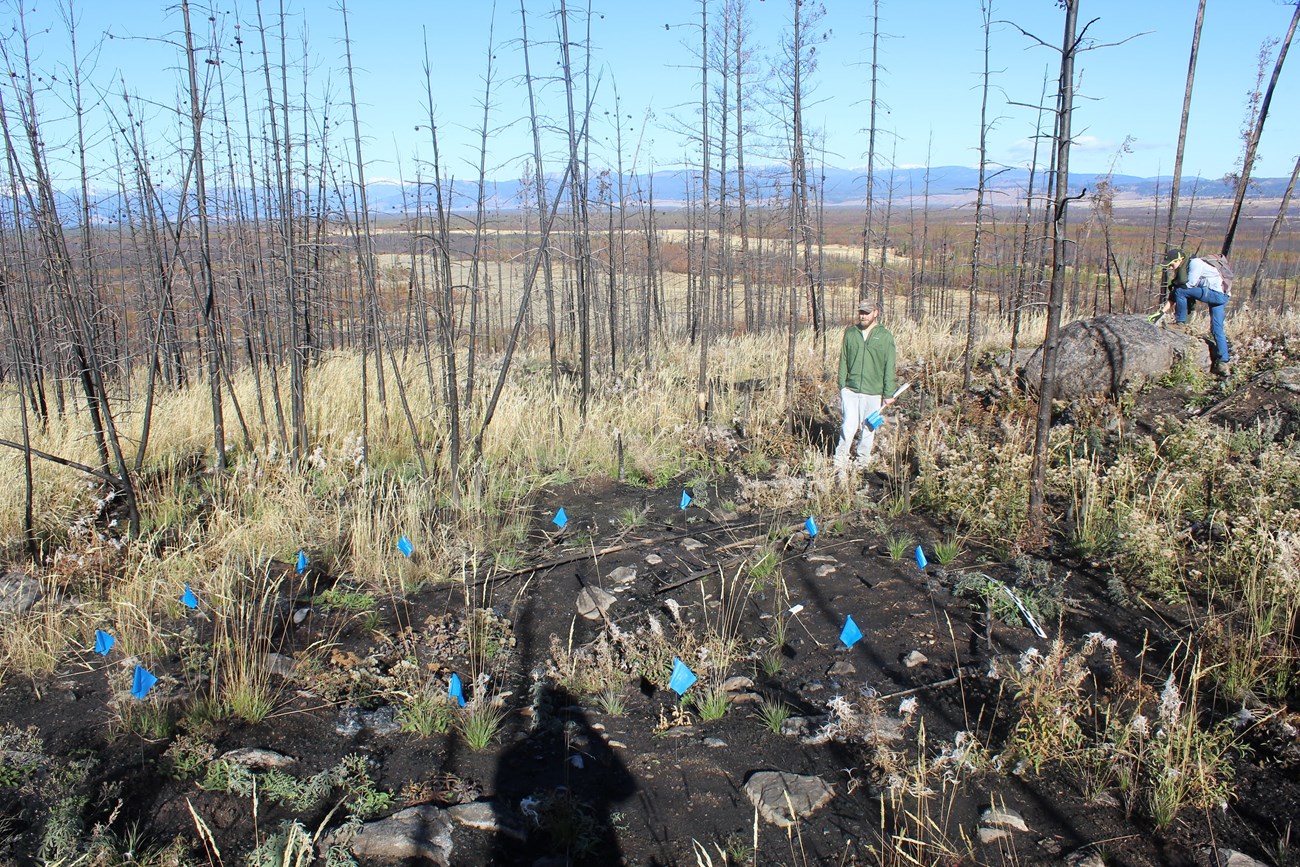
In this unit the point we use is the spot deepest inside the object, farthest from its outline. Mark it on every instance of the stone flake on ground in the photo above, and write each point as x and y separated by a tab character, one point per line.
692	544
823	571
486	816
992	835
19	592
416	832
623	575
653	559
593	602
776	793
1233	858
258	757
1003	818
915	658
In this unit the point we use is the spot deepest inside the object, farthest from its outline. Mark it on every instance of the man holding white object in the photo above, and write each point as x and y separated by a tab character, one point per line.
866	375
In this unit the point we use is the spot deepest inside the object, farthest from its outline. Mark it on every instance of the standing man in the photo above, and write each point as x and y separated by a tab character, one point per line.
1193	280
866	376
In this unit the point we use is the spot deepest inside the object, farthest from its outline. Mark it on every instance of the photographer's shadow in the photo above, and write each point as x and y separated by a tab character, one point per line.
561	784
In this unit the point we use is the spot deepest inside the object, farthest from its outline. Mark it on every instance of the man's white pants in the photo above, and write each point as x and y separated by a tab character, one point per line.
856	407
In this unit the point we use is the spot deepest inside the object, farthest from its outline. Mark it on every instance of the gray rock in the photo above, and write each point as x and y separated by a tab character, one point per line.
739	683
381	721
278	663
623	576
692	544
714	743
822	558
1003	817
915	658
258	757
1084	858
490	817
992	835
416	832
1286	377
798	727
677	732
1105	354
841	668
653	559
776	793
1233	858
823	571
19	592
594	602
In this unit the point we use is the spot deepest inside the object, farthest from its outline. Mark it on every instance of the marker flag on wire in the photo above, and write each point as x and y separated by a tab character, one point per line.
188	599
876	418
686	499
103	642
811	526
142	683
302	562
683	678
560	519
1024	612
404	545
851	634
456	691
920	557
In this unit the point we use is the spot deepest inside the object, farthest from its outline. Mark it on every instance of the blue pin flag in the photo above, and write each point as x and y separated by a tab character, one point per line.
455	690
920	557
560	519
302	562
850	634
683	678
188	599
142	683
811	526
686	499
875	420
404	545
103	642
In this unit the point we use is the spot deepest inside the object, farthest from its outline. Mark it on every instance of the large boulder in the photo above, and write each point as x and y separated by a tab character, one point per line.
1105	354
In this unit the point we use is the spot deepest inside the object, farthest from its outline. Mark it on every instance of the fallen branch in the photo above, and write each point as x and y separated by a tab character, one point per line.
66	462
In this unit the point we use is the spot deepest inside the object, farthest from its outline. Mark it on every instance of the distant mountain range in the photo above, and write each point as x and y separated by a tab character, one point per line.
842	188
847	187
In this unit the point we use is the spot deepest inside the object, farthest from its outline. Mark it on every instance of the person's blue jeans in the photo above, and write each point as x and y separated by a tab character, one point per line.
1184	296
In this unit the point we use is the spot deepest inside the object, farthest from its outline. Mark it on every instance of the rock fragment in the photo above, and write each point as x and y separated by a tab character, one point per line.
594	602
778	794
416	832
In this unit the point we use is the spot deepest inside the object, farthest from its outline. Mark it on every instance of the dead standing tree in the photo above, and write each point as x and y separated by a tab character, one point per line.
1253	136
1070	42
1182	127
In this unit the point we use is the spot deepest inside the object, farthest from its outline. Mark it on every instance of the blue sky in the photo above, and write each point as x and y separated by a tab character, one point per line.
929	83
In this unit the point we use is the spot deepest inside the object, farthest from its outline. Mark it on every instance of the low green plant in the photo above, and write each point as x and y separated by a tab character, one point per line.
712	704
611	701
188	757
426	713
631	517
479	723
772	713
899	544
947	549
763	567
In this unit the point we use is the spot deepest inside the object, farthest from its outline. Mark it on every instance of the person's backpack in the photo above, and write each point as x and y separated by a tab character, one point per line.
1223	266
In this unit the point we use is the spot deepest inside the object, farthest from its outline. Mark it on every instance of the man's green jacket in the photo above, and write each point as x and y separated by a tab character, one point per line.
867	366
